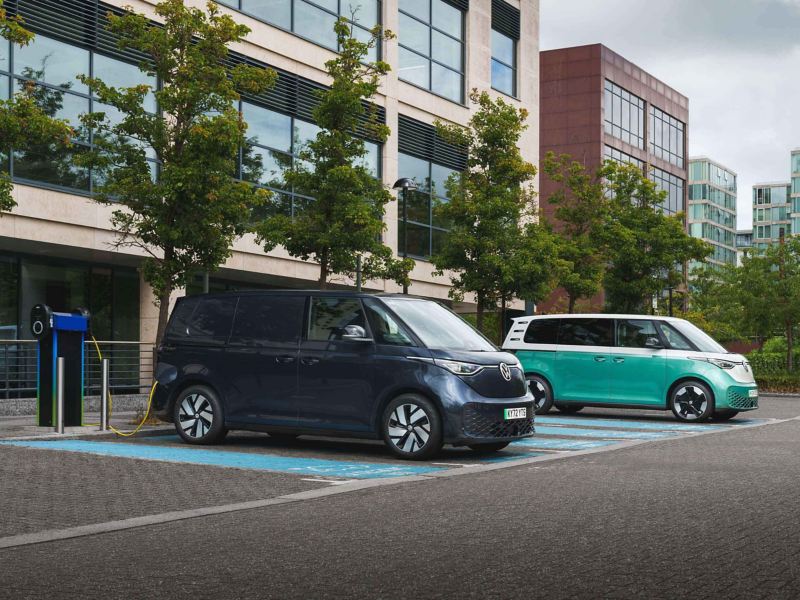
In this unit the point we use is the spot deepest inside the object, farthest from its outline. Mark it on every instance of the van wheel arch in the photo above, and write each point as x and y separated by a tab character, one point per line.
396	394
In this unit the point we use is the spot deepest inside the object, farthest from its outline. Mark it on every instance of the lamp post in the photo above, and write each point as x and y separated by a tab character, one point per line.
405	185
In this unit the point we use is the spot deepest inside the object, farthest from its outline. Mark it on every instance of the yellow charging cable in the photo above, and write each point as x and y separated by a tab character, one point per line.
111	402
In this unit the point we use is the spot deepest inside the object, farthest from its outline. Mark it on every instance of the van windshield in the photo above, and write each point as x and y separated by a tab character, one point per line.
698	337
438	327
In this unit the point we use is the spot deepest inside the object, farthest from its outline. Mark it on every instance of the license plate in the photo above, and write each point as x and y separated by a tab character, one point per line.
753	393
515	413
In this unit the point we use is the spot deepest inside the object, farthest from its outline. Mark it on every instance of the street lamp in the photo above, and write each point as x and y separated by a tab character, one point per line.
405	185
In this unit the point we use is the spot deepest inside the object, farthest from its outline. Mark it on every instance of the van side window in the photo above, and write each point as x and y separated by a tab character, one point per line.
542	331
209	323
385	329
265	319
330	316
586	332
675	339
635	333
178	326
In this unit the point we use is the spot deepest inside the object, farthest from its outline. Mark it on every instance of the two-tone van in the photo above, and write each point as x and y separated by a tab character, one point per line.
630	361
398	368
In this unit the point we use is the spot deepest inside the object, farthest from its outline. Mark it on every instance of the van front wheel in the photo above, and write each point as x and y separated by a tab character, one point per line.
691	401
411	427
542	394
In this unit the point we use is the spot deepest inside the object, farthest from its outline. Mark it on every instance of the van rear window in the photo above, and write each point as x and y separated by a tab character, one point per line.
542	331
202	320
264	320
586	332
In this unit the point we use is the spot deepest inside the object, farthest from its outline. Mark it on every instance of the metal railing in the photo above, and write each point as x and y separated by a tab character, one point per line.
131	368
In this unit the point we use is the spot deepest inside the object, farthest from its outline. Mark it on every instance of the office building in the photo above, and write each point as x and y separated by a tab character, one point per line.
56	245
712	209
771	213
744	244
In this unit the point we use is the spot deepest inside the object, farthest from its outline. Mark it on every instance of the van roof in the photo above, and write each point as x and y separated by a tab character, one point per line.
290	292
596	316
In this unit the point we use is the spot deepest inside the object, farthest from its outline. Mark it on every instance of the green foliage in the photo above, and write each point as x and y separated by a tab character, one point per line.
646	248
495	248
581	208
186	219
344	221
26	120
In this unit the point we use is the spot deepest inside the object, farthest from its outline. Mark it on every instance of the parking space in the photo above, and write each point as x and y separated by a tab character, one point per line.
334	461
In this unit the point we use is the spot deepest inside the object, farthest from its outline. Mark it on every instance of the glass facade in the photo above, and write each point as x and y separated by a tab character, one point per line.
273	142
111	293
431	38
772	213
504	63
666	136
611	153
712	209
426	229
796	161
624	115
673	185
49	68
314	19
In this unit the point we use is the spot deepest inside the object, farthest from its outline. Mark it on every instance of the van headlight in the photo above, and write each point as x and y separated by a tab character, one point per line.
721	363
456	367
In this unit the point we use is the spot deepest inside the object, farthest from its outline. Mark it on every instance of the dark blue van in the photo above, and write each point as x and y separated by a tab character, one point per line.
399	368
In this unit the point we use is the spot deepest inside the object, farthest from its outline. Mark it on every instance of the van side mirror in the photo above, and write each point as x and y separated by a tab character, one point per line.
355	333
653	343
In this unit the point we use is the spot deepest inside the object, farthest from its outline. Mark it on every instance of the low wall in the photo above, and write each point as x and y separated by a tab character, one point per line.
120	403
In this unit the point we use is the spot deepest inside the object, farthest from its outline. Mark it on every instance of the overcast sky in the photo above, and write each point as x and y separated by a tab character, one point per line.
738	61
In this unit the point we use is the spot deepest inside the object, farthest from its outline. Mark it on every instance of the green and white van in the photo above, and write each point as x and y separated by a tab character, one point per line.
630	361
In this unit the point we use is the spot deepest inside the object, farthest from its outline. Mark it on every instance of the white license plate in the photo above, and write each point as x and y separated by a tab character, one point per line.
753	393
515	413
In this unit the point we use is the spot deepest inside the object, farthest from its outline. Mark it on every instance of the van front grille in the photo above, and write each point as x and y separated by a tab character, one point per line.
481	422
741	401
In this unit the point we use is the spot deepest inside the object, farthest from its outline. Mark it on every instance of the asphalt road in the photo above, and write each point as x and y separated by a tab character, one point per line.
714	515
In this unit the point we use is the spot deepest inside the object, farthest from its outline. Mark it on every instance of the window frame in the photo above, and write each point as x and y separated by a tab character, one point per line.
514	76
613	90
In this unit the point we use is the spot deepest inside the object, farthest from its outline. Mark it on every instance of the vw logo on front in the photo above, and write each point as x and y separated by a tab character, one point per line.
505	371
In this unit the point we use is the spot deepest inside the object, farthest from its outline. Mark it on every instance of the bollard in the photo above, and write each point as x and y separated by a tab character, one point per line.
104	397
60	394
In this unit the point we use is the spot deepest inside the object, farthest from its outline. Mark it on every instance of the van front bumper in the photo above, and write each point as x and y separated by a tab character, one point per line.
485	422
739	397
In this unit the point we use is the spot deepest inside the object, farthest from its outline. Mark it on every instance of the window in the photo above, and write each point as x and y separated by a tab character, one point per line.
666	137
622	158
674	186
385	330
314	19
795	185
624	115
431	41
675	339
586	332
426	227
209	322
796	162
263	320
504	63
542	331
635	333
330	317
273	142
51	67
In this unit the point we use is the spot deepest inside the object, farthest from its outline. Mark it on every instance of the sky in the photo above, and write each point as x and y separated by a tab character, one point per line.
738	61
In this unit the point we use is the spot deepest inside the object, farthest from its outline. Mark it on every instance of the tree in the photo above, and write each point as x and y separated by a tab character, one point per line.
344	221
780	266
187	217
646	248
581	207
25	121
494	247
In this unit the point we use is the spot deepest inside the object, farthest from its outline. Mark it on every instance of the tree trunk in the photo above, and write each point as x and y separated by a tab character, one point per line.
789	343
479	316
502	321
163	313
571	308
322	282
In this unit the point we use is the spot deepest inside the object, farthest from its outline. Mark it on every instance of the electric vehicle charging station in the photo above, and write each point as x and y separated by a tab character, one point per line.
60	359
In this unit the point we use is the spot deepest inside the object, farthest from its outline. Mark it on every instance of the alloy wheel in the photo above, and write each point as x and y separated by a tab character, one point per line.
538	392
691	402
196	415
409	427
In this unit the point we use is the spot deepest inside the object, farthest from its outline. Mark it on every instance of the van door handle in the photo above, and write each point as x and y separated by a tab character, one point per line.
284	360
600	358
309	361
619	360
